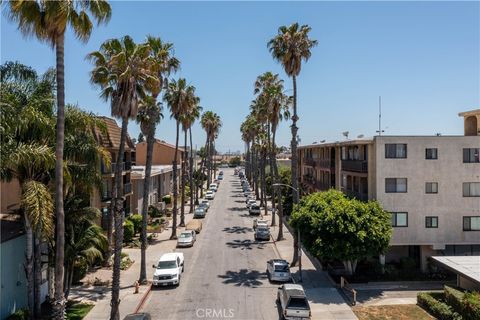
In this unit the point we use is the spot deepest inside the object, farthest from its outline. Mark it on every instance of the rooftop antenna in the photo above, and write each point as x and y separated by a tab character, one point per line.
379	131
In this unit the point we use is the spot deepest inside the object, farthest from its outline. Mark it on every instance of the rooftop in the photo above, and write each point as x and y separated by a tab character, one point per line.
466	266
138	172
112	137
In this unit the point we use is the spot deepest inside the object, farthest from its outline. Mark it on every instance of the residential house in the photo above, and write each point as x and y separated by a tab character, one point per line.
430	184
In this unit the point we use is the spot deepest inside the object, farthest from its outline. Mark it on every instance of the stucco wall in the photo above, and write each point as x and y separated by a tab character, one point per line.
9	195
448	204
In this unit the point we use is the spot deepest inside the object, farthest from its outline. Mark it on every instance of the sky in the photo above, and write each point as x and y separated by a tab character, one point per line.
422	58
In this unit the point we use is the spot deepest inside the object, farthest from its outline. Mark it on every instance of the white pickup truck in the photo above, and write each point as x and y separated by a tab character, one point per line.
293	302
169	269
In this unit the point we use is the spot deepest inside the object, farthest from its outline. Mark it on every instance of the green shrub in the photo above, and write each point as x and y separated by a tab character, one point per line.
471	305
21	314
454	298
80	270
128	231
167	199
154	212
437	308
137	222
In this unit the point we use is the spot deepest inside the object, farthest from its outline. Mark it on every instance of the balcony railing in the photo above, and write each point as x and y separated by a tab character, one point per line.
356	194
325	164
113	167
127	188
309	162
355	165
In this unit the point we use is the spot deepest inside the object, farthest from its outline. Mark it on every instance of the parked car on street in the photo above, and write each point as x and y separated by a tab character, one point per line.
213	187
195	225
278	270
206	203
204	206
247	192
262	232
210	195
138	316
251	202
251	196
257	222
168	270
199	212
293	302
186	239
254	210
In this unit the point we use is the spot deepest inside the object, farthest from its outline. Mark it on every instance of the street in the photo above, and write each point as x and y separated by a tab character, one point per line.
224	274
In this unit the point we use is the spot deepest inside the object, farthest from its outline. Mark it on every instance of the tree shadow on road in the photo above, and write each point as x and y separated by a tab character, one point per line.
237	209
245	244
244	277
238	230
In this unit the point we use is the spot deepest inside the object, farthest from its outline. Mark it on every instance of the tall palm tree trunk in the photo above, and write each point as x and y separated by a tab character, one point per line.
29	265
59	303
37	275
255	174
279	195
294	164
272	178
294	143
118	219
209	177
184	168
264	184
192	189
146	192
175	187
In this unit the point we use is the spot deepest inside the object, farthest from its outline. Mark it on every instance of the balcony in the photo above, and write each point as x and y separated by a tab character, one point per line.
309	162
355	165
357	195
326	164
113	167
127	188
128	166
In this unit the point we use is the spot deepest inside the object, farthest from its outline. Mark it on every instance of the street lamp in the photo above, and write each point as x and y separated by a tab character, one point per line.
298	231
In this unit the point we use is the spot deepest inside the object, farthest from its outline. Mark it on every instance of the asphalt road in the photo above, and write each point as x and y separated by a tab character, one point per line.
224	274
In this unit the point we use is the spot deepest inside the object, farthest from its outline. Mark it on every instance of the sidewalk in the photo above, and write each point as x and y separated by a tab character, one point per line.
325	301
129	302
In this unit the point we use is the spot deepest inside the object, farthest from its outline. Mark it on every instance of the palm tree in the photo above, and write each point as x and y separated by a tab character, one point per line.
123	71
211	123
290	47
180	97
164	63
48	21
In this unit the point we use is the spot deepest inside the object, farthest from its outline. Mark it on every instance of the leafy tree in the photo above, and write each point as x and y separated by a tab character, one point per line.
334	227
234	162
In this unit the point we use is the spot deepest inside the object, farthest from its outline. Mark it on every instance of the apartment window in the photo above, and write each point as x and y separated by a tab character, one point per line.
395	150
471	155
431	153
471	223
399	219
431	222
471	189
431	187
395	185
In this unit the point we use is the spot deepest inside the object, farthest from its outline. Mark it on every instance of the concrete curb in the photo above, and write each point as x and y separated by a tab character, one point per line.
144	298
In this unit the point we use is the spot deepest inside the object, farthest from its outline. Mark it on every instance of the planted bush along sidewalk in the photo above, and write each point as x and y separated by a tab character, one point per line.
451	304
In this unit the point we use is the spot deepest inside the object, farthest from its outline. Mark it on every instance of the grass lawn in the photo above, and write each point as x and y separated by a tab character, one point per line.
77	311
393	312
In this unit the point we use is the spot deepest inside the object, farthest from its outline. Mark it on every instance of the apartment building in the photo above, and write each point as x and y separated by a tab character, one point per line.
430	184
163	153
110	140
161	184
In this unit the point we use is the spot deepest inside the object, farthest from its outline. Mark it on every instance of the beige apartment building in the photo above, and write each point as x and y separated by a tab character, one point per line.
430	184
110	140
163	153
161	184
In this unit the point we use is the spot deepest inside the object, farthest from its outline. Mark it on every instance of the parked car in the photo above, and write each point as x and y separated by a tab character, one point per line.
195	225
205	203
257	222
262	232
220	177
138	316
251	202
210	195
199	212
249	197
213	187
293	302
204	206
186	239
254	210
220	173
169	269
247	192
278	270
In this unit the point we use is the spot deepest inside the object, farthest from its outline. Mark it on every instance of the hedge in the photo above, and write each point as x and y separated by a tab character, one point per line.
167	199
137	222
128	231
437	308
467	304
